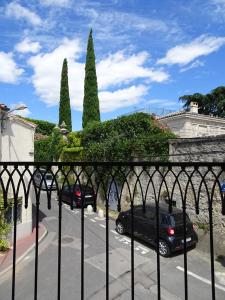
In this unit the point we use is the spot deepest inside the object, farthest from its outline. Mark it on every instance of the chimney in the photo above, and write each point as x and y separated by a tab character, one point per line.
193	108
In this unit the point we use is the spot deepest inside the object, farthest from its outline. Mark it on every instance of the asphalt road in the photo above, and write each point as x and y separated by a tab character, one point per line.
145	277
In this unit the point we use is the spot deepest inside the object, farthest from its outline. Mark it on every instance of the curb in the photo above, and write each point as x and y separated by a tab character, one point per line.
25	253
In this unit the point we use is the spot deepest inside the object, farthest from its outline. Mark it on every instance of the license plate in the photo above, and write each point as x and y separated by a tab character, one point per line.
187	240
88	196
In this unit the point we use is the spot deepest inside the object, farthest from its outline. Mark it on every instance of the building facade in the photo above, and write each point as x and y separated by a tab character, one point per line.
191	124
17	144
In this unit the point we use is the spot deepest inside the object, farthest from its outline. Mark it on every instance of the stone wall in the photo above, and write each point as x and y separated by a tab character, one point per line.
205	149
184	187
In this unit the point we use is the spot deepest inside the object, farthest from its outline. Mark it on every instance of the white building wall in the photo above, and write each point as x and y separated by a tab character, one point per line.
189	125
17	144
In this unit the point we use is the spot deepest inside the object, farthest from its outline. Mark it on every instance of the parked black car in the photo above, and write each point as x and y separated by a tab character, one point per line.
171	233
75	194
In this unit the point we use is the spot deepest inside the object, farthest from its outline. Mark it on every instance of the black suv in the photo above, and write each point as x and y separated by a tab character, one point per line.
171	233
75	194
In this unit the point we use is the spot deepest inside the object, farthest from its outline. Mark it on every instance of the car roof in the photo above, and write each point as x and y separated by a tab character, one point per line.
43	172
72	186
163	208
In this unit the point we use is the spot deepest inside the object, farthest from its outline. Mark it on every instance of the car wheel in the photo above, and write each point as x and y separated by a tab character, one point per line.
164	249
120	228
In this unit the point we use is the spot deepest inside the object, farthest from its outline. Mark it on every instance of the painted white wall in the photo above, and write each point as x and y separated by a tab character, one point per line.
17	144
189	125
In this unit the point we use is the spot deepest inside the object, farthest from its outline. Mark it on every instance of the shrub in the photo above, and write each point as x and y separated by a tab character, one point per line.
42	150
4	245
125	138
4	227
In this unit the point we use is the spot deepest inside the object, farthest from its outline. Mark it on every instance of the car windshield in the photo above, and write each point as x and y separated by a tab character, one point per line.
48	177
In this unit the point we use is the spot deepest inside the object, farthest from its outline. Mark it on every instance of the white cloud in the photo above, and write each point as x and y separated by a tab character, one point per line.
47	72
195	64
161	102
18	11
109	20
9	71
186	53
116	74
55	2
126	97
28	46
119	69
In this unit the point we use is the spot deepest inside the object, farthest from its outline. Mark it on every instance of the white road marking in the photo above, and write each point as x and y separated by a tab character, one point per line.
220	287
92	220
125	241
113	231
144	250
102	225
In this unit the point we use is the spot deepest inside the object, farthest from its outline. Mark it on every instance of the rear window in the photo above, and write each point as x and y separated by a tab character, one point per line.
177	219
48	177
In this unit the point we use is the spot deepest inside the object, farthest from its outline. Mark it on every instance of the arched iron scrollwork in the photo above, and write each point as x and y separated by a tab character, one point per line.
193	187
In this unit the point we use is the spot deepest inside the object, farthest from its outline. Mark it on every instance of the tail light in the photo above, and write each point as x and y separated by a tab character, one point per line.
77	193
170	231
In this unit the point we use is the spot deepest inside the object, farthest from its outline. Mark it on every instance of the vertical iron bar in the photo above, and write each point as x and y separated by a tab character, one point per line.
212	251
59	247
36	245
107	248
157	248
185	255
132	249
82	246
14	247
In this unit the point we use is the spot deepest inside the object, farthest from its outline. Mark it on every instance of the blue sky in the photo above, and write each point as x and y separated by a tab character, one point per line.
148	53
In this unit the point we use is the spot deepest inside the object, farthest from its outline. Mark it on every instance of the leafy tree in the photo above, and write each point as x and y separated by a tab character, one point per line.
57	144
91	102
211	103
126	138
73	150
64	105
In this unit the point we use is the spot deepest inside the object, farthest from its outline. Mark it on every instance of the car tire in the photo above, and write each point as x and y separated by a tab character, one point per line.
164	249
120	228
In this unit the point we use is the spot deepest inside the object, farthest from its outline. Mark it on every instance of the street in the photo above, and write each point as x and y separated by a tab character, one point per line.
145	277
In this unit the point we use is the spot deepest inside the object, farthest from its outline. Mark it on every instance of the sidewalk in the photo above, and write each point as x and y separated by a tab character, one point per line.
23	246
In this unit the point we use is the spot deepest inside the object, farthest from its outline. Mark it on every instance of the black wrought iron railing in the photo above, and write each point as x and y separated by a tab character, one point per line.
196	188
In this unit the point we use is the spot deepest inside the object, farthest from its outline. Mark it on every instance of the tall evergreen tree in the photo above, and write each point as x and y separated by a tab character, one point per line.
91	102
64	105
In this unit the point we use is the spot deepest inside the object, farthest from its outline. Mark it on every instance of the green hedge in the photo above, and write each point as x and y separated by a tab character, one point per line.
44	127
42	150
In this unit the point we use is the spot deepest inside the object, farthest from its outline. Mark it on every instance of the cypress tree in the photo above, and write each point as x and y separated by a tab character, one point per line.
91	102
64	105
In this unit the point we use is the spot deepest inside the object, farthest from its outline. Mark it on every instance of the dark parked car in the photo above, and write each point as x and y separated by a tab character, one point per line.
44	180
171	233
75	194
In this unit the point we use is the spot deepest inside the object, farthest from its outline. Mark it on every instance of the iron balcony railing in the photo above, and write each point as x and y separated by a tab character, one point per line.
188	185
